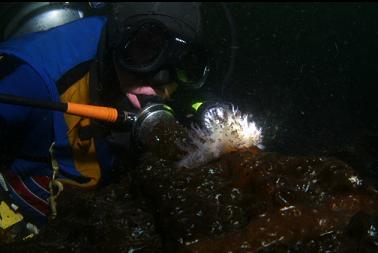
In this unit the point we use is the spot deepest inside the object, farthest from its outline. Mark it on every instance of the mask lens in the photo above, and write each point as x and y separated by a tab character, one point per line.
144	47
193	69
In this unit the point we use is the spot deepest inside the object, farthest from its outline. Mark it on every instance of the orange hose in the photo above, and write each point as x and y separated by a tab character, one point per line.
92	111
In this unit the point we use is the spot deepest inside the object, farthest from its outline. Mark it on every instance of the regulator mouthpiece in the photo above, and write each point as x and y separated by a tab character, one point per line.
147	119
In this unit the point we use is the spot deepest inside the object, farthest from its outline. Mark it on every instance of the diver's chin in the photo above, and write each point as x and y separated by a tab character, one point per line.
132	94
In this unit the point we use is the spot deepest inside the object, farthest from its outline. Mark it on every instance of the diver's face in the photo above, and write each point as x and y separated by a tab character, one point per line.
133	84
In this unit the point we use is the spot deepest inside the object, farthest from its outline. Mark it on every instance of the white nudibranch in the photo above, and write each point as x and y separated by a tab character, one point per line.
225	130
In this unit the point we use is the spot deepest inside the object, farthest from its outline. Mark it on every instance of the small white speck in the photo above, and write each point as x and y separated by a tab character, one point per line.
180	40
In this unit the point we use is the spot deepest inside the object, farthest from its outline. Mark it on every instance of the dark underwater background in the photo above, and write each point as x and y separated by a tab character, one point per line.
308	74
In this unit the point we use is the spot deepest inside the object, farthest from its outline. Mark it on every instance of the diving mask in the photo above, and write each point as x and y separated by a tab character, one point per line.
152	50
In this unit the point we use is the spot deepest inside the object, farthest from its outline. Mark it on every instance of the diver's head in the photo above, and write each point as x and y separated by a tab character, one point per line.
158	43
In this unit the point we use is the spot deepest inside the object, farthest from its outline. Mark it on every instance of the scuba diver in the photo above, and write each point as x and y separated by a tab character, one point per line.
137	54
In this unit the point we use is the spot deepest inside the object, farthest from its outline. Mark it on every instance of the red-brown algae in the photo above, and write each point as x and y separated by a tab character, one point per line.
249	200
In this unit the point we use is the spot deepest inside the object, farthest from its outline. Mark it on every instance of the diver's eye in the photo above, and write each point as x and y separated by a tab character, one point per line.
145	45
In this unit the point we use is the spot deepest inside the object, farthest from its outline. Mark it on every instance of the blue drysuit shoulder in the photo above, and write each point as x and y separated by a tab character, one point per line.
53	52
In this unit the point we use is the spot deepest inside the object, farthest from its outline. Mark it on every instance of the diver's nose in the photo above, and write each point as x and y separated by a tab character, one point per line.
162	77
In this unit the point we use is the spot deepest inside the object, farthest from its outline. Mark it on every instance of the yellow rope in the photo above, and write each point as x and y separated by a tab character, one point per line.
55	186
